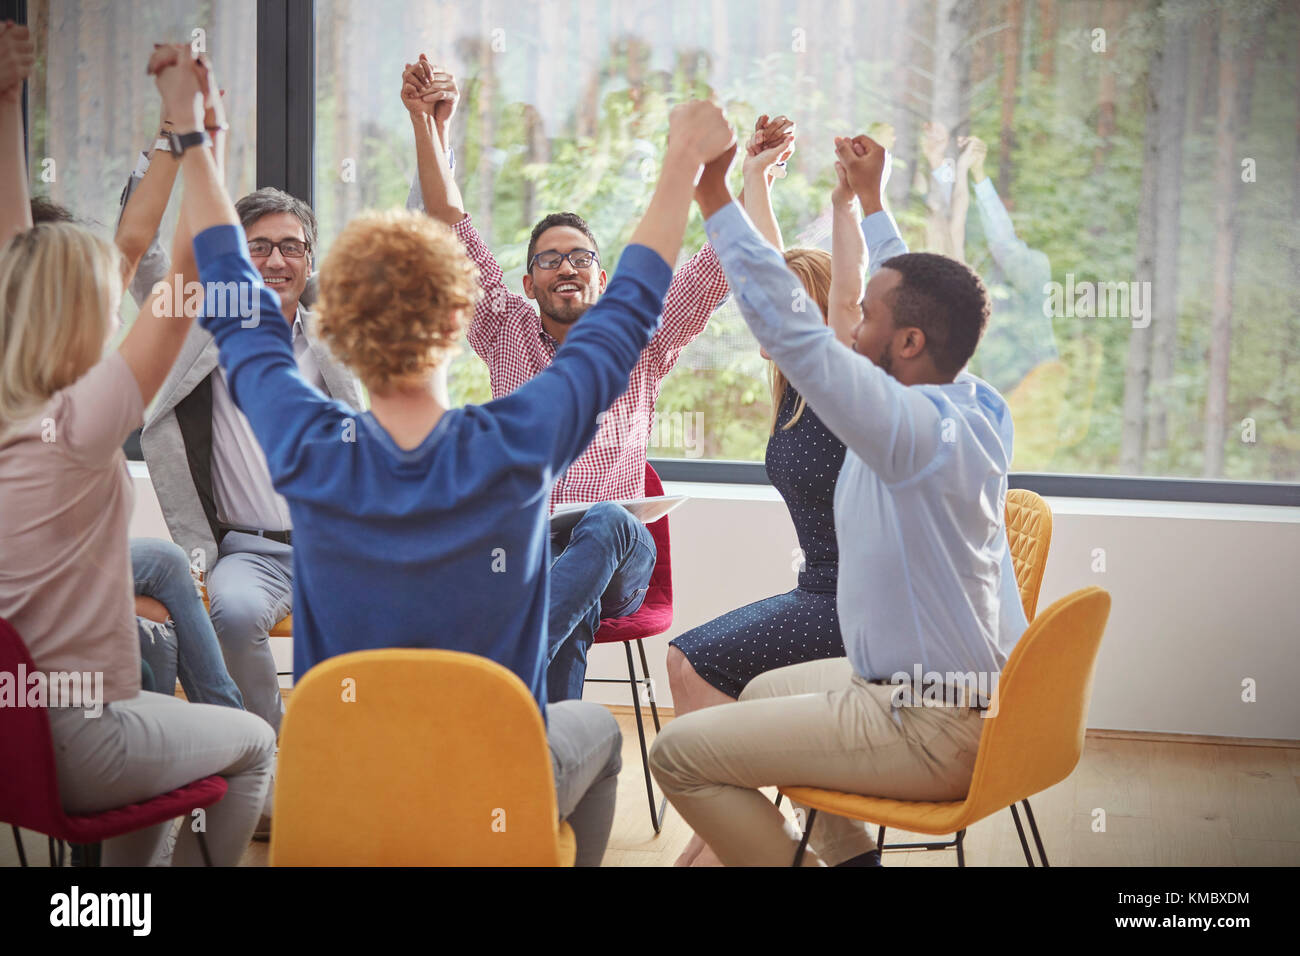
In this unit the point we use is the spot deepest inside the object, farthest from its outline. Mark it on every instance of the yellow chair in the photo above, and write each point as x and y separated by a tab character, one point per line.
1029	534
412	757
1032	743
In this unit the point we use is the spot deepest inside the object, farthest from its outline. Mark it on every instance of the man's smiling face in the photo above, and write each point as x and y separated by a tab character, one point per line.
564	293
284	275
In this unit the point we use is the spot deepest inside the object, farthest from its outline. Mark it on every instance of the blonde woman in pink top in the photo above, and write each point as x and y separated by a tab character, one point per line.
65	496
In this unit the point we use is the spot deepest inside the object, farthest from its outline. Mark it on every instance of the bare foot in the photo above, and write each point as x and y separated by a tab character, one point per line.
691	852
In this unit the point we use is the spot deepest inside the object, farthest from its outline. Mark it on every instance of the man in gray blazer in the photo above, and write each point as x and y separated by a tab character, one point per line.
208	470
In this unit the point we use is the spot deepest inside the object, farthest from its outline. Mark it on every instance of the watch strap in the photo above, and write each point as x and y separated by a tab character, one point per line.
180	143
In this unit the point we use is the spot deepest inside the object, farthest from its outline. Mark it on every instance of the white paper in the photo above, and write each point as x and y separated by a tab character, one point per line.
646	510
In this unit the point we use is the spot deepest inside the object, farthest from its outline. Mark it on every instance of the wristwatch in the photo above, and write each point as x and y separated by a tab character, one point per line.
180	143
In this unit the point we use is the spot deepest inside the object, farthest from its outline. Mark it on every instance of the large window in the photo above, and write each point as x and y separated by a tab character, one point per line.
1145	155
93	110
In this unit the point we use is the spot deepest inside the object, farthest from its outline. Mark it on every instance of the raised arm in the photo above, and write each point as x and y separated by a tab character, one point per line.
848	254
1028	270
156	336
559	407
17	56
768	149
143	203
891	427
430	97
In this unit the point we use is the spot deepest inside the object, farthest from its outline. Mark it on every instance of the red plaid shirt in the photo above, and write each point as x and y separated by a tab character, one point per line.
507	334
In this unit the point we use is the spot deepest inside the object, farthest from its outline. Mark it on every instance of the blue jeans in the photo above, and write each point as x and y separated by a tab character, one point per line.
186	647
600	569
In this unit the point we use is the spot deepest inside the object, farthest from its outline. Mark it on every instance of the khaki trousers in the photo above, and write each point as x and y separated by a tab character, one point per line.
814	724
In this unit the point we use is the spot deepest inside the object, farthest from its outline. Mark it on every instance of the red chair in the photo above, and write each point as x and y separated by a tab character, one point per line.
653	618
29	784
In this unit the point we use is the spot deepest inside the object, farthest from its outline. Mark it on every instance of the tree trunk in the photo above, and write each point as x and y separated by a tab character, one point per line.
950	102
1137	369
1236	77
1047	38
911	93
1010	69
1170	125
1111	20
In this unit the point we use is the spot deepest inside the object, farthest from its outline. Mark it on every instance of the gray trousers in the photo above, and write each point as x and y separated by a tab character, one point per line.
142	747
586	756
250	588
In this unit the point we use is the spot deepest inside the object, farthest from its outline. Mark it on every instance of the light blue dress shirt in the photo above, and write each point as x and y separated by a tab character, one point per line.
919	504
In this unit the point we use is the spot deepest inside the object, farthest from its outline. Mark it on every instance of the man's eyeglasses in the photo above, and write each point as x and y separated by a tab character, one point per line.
550	260
289	248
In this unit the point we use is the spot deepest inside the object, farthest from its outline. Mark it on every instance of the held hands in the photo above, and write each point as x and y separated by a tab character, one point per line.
842	195
973	152
17	57
699	133
866	167
431	90
183	82
768	149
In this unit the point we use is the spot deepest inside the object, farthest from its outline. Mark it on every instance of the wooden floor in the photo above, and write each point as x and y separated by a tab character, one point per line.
1166	804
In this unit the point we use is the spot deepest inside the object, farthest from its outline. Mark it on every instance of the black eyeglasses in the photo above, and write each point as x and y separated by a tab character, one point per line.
289	248
550	259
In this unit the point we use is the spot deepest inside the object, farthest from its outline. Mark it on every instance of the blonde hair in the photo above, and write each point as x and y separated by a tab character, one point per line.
59	284
395	290
813	267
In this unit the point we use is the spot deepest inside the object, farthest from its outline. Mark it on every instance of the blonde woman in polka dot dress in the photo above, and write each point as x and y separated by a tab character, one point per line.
711	664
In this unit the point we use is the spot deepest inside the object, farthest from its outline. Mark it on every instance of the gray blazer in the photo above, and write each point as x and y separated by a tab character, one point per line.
177	437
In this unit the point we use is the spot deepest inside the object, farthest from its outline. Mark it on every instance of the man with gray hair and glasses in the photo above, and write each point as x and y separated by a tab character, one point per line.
207	468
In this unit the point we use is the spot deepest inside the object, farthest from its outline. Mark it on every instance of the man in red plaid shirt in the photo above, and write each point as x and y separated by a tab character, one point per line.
602	567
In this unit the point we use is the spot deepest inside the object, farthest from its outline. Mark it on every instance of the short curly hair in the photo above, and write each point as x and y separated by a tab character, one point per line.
395	294
946	300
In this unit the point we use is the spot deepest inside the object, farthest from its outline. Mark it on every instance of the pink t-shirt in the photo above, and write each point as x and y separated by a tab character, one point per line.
65	500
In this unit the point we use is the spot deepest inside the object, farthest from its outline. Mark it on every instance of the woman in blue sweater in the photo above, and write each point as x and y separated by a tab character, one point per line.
417	524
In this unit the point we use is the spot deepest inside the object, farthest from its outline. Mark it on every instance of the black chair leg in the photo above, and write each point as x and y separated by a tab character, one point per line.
1033	826
54	860
18	842
880	840
807	832
961	846
1024	844
650	691
656	815
60	853
203	848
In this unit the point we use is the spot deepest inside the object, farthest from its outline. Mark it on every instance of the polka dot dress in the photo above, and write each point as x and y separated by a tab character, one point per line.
803	464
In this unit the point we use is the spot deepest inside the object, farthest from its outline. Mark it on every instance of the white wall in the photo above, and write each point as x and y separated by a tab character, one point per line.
1204	597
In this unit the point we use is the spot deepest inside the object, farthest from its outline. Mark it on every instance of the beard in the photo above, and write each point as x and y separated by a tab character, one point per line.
886	363
559	310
